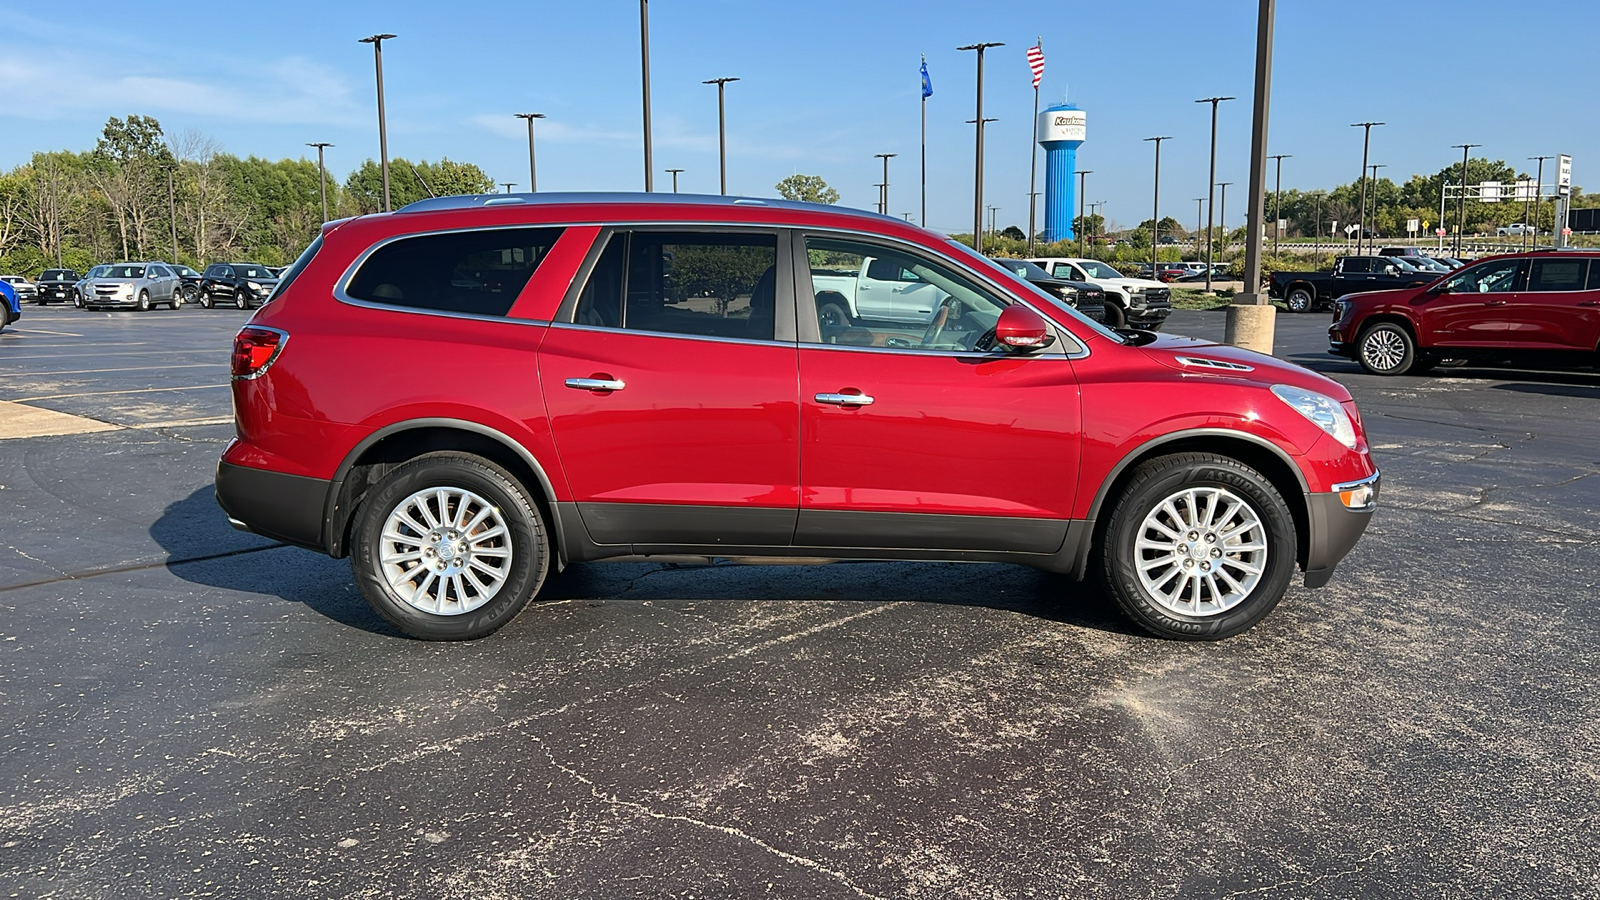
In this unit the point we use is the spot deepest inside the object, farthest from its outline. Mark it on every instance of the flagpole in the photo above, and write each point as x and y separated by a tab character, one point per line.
1033	158
924	93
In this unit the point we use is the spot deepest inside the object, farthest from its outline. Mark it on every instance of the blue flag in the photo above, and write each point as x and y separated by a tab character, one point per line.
927	84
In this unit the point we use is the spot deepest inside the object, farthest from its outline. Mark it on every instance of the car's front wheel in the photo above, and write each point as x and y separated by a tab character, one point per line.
1386	349
1198	547
239	299
449	547
144	301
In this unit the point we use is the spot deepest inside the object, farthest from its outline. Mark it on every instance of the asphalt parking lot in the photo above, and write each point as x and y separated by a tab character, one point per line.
189	711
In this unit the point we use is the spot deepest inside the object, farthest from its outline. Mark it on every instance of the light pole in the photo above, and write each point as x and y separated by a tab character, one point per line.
644	70
1211	181
507	185
1461	206
978	121
1538	189
1374	167
992	209
533	172
1199	223
383	132
1366	143
674	179
322	176
1094	210
1083	179
722	126
1277	200
885	157
1222	216
172	208
1155	211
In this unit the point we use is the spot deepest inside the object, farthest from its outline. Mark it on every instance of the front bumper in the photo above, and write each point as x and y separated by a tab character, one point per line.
1334	527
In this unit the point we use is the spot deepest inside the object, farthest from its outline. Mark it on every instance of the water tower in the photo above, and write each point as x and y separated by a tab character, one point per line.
1060	131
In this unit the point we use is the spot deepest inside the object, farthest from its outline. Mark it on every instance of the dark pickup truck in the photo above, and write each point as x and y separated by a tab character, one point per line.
1307	291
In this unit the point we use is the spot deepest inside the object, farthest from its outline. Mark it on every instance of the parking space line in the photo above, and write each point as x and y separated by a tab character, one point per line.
126	369
193	387
182	423
28	331
112	353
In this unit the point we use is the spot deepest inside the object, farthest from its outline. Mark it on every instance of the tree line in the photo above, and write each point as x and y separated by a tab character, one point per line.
139	188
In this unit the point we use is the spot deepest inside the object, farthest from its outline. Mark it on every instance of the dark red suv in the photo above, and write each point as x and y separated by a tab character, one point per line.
470	390
1541	308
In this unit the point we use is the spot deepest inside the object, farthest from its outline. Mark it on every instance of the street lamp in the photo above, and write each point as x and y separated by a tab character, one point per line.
1366	142
1461	219
722	128
1222	217
1211	181
1094	210
1538	199
1199	223
172	208
1083	180
674	179
533	173
508	185
644	70
1374	167
978	120
1155	213
885	157
383	133
1277	199
322	176
992	234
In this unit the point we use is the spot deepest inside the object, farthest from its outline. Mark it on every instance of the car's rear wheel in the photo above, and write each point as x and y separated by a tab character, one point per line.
144	301
206	300
449	547
1386	349
1198	547
1299	300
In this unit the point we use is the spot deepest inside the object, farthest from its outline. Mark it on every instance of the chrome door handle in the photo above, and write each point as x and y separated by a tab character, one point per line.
1494	303
845	399
595	384
1589	303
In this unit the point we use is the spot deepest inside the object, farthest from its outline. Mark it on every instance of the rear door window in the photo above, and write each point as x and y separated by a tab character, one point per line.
694	283
1566	274
473	272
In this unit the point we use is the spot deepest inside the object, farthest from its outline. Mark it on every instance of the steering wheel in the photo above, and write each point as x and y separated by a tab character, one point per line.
951	307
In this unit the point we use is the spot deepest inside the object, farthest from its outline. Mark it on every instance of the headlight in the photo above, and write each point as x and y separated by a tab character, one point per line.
126	289
1323	411
1340	307
255	286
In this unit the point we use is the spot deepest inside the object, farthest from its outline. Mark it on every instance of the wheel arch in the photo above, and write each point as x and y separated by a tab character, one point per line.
1392	318
1260	454
375	455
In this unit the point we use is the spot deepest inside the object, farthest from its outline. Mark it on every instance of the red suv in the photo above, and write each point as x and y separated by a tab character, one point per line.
1541	308
466	392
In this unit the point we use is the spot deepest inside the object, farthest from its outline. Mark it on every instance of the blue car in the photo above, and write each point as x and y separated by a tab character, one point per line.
10	308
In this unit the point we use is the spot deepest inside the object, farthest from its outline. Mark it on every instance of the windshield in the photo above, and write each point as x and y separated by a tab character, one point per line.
1099	269
186	272
123	272
1056	303
251	270
1021	268
58	275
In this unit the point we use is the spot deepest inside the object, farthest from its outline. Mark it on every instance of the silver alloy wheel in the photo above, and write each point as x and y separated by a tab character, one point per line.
445	551
1201	551
1299	300
1383	349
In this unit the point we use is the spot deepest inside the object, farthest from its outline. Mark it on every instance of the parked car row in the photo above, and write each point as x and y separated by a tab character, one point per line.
147	285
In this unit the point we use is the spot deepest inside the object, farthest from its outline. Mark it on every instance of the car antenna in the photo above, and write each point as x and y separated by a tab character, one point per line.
420	179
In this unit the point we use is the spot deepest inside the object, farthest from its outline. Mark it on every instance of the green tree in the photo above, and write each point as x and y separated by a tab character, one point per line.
807	188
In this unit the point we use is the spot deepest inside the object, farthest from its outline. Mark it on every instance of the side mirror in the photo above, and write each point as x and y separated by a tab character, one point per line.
1022	330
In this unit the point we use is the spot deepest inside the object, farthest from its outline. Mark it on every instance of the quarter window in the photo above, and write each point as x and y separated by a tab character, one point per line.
1557	274
694	283
473	272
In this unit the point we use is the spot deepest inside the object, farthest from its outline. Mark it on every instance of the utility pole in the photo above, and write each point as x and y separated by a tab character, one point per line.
1211	181
1222	215
722	126
674	179
1155	212
885	157
644	70
1461	206
992	234
322	176
1277	200
1538	200
383	131
1251	316
533	172
1366	143
1083	180
172	208
979	121
1374	167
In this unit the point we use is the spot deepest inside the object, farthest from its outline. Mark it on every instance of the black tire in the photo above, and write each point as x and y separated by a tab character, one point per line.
1300	300
206	300
77	300
5	316
1164	481
1115	317
144	301
1386	349
832	314
527	541
239	299
190	293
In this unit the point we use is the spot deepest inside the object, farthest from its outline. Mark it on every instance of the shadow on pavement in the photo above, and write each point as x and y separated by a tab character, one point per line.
204	549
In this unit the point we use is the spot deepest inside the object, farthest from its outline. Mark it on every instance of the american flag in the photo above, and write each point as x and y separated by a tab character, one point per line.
1036	63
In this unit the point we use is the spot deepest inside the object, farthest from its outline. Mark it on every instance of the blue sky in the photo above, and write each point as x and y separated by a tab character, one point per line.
825	85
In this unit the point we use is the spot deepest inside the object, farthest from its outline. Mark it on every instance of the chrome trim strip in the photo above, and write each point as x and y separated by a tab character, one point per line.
1202	362
606	329
1348	485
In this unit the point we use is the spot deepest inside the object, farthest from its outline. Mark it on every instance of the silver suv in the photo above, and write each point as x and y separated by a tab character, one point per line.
140	285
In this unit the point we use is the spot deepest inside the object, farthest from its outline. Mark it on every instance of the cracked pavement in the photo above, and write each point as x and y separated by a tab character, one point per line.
190	711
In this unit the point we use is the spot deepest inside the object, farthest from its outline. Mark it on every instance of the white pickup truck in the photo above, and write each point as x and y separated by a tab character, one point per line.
1130	302
882	291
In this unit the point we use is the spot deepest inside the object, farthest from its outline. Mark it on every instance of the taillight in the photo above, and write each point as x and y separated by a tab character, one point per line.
254	349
